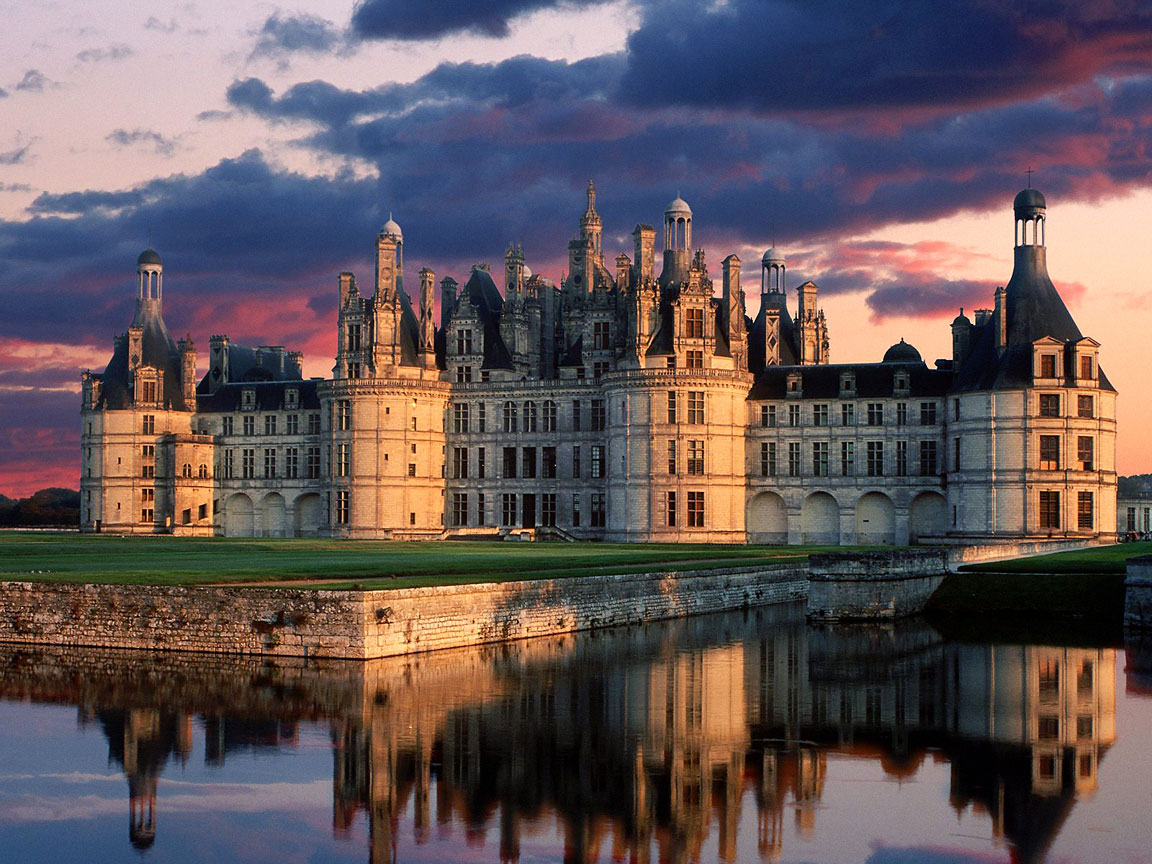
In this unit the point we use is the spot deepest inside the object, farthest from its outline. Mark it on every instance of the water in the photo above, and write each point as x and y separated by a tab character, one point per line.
746	737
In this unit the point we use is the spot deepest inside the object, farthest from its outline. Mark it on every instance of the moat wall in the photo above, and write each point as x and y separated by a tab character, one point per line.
370	624
873	585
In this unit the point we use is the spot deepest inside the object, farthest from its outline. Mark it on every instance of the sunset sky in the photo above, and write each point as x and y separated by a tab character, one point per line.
260	147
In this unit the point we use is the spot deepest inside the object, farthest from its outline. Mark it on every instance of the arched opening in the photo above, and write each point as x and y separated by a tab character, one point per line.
767	519
820	519
272	518
309	516
927	517
238	520
875	520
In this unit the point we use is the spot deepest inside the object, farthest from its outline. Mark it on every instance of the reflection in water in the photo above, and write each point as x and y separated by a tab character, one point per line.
650	740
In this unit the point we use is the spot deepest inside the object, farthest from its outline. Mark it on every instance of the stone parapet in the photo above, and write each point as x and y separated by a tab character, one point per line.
1138	592
872	585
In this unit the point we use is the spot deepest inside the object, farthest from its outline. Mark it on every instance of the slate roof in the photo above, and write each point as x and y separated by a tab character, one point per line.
269	396
873	380
789	355
157	349
485	298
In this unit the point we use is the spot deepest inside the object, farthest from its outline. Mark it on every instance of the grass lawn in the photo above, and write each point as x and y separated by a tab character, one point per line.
1101	559
348	563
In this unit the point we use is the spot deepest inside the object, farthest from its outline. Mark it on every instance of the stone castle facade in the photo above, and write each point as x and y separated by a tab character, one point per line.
621	404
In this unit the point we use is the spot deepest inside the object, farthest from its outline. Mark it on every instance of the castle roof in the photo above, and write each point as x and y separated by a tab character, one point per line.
876	380
269	396
157	349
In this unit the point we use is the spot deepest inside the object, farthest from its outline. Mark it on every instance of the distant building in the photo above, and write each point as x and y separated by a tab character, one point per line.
621	404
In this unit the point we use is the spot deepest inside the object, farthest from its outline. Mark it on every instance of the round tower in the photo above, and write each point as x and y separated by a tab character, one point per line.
678	225
772	273
149	275
1029	227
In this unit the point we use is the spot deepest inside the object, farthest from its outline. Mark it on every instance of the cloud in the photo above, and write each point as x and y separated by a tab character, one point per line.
34	81
154	23
118	51
3	93
160	145
14	187
287	34
402	20
15	156
213	115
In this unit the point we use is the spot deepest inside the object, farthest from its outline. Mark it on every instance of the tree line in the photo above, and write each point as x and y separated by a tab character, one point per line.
53	506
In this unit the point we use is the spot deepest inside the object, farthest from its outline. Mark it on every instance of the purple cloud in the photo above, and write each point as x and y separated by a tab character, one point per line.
398	19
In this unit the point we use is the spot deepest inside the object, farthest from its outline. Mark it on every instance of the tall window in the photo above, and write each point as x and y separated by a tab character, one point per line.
1084	511
768	459
528	463
695	406
671	455
1047	365
509	461
354	337
226	426
508	509
927	413
1049	452
249	425
460	418
598	512
901	458
548	468
1049	405
1085	406
670	509
598	415
767	415
549	416
695	457
875	458
548	509
481	463
576	419
292	463
228	463
292	422
1084	453
597	462
901	413
269	424
694	358
342	506
794	459
695	509
1050	510
601	335
928	459
820	458
875	413
671	406
314	424
793	415
1086	368
343	460
576	510
509	416
459	508
149	391
343	414
148	424
819	415
459	463
482	417
248	463
312	455
464	341
694	323
529	416
848	414
576	467
848	458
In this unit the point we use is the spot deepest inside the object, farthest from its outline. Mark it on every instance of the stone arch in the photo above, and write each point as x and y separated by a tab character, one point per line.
928	515
820	519
272	516
238	516
875	520
309	515
767	519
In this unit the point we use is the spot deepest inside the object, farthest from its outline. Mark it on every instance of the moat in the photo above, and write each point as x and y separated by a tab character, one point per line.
738	737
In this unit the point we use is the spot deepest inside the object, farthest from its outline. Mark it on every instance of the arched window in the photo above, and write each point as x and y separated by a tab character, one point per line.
203	472
549	415
509	416
529	416
187	472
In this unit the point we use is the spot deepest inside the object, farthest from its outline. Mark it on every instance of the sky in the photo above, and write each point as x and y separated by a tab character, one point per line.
259	148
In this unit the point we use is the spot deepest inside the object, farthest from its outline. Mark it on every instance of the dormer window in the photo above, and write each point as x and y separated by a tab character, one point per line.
248	399
1047	365
795	384
463	341
901	382
292	397
1087	368
847	383
694	323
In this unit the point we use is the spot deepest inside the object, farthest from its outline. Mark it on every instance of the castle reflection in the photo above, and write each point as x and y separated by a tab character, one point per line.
646	741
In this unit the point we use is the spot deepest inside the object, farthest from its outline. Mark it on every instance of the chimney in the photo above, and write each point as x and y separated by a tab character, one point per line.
1001	320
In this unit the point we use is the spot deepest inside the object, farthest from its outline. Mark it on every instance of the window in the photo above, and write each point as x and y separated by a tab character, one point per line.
597	462
1049	405
848	458
601	335
249	425
482	417
413	422
1047	365
955	454
343	414
695	509
148	424
202	472
148	471
528	463
848	414
509	462
1131	521
874	455
875	413
576	419
598	513
460	464
353	370
248	399
248	462
354	337
1049	452
901	413
228	463
1086	368
147	495
549	416
481	510
1084	680
529	416
694	323
576	469
794	459
694	358
670	509
292	424
292	463
695	457
671	455
226	426
463	374
955	409
768	415
481	463
927	413
202	511
695	406
149	391
671	406
576	511
460	418
269	424
793	415
463	341
1084	511
670	361
147	514
901	458
509	416
1050	510
820	458
1084	454
1085	406
819	415
768	459
312	455
342	461
598	415
928	464
313	424
459	508
342	506
548	509
508	509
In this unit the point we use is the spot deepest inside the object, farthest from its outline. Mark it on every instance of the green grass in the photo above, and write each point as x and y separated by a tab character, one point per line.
1100	559
349	563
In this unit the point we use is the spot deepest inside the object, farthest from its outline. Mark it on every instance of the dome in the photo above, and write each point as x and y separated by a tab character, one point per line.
902	352
1029	198
391	228
678	207
149	256
773	256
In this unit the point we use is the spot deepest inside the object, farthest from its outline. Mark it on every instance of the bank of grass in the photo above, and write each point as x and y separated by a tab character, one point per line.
1098	559
349	564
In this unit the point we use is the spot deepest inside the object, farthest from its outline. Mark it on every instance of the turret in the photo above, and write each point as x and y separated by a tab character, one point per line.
961	339
677	241
389	260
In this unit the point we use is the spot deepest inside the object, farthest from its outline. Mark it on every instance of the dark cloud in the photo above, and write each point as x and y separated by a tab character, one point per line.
112	52
793	55
15	156
3	93
404	20
142	137
34	81
287	34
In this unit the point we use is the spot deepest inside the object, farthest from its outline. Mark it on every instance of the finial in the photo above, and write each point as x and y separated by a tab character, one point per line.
1029	173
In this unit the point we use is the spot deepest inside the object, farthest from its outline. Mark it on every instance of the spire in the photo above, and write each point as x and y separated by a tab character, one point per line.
591	197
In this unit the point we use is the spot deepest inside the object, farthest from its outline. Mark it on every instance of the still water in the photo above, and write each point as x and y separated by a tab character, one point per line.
744	737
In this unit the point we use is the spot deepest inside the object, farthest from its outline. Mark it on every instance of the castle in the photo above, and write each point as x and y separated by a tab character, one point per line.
622	404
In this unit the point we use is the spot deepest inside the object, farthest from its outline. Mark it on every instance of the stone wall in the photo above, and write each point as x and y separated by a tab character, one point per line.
365	625
871	585
1138	592
968	552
